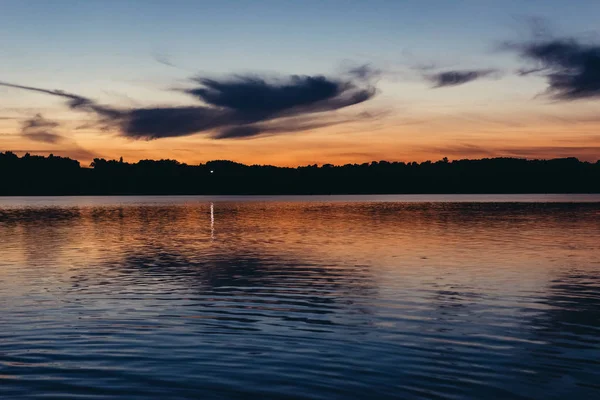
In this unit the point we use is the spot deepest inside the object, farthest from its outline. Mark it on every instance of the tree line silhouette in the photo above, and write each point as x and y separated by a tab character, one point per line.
52	175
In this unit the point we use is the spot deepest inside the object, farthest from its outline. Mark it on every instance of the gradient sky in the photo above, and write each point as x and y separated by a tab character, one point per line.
134	54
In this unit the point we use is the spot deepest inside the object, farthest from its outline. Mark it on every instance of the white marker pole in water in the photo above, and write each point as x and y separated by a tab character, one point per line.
212	221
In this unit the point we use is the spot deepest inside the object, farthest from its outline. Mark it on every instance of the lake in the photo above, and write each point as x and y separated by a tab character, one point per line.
328	297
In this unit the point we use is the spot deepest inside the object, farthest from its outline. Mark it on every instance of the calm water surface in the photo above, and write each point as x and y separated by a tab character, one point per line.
408	297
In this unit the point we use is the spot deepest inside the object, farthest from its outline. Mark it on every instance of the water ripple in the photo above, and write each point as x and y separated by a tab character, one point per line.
182	298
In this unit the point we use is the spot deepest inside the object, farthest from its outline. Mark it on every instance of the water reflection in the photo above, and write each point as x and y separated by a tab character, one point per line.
300	300
212	221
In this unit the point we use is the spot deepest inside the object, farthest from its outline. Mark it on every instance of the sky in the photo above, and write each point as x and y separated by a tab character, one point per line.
300	82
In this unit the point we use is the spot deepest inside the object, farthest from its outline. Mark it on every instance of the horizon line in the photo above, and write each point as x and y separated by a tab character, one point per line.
442	160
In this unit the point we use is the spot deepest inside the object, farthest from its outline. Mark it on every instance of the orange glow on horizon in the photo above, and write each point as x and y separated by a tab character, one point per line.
418	138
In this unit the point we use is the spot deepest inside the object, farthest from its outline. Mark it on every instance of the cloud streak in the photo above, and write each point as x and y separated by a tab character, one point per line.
365	72
466	150
240	106
40	129
74	101
458	77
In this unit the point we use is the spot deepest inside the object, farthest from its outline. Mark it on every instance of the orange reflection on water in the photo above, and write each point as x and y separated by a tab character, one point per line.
394	239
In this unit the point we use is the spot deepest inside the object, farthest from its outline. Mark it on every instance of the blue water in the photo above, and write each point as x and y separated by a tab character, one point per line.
349	297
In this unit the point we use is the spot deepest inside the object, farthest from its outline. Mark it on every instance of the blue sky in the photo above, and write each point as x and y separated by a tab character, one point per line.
82	38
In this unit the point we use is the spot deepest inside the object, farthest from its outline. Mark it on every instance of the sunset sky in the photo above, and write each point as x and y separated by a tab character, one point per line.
300	82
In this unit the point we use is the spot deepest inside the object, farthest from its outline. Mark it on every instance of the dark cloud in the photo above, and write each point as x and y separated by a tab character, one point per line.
255	98
238	106
458	77
161	122
572	69
40	129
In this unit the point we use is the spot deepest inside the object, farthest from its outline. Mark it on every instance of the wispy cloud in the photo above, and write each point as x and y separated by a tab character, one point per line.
40	129
458	77
364	72
163	59
75	102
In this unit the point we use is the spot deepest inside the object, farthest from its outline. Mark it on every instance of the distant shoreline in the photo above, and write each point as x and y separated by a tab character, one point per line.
58	176
473	198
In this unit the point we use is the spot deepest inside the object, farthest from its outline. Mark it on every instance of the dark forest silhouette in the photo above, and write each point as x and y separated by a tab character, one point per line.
52	175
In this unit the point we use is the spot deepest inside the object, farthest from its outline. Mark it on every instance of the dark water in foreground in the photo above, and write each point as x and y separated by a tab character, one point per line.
409	297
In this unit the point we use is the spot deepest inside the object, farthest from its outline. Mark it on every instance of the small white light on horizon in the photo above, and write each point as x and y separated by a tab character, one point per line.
212	172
